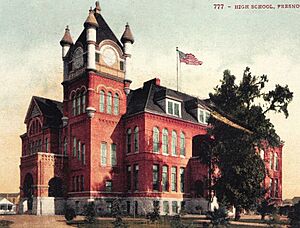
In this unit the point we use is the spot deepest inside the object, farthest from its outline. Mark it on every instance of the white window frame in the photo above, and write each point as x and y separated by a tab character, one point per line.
103	149
173	107
206	116
113	154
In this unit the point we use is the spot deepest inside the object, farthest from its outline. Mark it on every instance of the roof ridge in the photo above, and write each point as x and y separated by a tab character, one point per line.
39	97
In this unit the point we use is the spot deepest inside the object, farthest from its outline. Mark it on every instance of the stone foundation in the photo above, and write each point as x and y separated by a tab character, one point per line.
43	206
129	205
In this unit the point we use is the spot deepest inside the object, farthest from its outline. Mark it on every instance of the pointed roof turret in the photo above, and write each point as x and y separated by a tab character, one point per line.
127	35
97	8
67	39
91	20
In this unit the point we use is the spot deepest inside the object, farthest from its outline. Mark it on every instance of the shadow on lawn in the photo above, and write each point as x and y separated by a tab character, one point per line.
5	223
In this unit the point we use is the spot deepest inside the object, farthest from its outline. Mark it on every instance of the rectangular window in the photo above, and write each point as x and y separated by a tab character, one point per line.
165	178
174	179
173	108
109	206
103	153
108	186
77	183
136	207
128	177
128	207
113	154
121	65
47	145
182	144
74	146
170	107
83	154
155	177
136	177
182	179
276	188
73	184
97	57
207	115
166	207
82	183
271	188
79	150
201	116
176	109
174	207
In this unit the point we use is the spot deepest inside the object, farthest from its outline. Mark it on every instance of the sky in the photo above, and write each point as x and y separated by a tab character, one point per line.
267	41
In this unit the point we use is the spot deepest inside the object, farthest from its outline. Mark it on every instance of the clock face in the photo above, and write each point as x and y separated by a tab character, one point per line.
109	56
78	58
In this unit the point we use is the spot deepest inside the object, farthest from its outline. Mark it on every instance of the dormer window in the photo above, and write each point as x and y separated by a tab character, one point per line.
173	107
203	116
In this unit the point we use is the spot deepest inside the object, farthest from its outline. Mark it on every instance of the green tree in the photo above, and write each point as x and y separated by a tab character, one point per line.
234	150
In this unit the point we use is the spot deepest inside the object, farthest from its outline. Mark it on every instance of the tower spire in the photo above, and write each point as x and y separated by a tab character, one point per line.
67	39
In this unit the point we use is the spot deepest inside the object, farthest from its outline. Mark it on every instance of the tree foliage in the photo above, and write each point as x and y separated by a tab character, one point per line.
234	151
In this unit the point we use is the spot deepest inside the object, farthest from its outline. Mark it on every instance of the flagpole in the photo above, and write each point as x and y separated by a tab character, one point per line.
177	65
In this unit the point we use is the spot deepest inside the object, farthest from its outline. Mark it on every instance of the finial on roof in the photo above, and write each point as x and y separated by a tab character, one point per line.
91	20
127	35
67	39
97	8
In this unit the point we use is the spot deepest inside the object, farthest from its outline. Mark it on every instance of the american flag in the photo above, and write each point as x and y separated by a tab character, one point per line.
189	59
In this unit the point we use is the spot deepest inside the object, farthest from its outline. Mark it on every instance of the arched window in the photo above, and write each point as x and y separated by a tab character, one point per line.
155	140
136	139
78	103
65	146
101	107
33	127
174	143
109	102
165	141
46	145
36	126
116	104
276	161
128	140
83	101
74	105
182	144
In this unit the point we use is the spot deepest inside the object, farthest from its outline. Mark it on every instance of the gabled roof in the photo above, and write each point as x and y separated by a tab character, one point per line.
52	110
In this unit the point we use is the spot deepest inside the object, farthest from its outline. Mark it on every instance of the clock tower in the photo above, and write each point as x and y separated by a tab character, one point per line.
96	85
